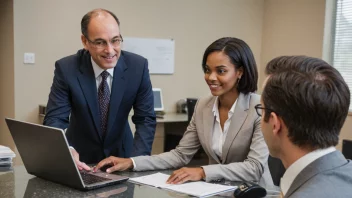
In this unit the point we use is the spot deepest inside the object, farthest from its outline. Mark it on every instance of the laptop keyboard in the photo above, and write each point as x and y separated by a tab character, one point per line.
91	179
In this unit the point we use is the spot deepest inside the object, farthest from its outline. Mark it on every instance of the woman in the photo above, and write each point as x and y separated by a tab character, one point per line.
224	124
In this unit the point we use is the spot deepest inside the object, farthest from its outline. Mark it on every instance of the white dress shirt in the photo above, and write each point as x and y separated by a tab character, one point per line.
295	168
219	135
98	70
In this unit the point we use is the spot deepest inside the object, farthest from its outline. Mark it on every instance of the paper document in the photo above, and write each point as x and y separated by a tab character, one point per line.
198	189
6	152
157	180
6	155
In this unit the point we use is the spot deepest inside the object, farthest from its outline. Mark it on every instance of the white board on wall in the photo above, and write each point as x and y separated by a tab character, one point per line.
159	52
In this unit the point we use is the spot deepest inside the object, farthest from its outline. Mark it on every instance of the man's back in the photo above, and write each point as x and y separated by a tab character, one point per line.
328	176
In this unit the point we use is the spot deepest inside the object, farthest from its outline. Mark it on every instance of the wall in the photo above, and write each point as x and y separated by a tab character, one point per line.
51	29
7	99
295	28
292	28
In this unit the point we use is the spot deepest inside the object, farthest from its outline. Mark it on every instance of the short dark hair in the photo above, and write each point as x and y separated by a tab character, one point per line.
288	63
310	96
86	19
241	56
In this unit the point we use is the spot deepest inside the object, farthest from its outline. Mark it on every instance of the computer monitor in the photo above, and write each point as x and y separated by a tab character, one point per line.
158	99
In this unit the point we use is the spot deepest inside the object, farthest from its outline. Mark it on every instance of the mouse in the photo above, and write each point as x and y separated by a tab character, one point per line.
249	190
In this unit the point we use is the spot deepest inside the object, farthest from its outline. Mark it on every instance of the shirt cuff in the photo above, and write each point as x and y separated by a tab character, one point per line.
134	164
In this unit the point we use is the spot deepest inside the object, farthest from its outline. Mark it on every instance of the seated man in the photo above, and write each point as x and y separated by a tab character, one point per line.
304	104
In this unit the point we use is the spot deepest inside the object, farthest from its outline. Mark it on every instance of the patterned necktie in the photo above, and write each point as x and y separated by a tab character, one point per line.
104	99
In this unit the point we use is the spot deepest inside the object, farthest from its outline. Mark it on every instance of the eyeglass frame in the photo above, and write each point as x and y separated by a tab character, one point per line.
259	106
104	43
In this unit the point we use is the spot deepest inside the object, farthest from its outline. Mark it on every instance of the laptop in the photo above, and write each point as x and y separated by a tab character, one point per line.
45	154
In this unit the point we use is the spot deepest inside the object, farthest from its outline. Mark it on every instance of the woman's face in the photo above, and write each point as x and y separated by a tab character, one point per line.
220	74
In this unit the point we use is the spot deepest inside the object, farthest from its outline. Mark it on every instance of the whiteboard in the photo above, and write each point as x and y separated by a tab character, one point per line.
159	52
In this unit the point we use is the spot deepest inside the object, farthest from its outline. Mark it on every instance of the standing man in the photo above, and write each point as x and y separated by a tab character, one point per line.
94	90
304	104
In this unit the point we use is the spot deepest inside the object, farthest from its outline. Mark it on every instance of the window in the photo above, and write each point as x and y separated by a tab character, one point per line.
341	40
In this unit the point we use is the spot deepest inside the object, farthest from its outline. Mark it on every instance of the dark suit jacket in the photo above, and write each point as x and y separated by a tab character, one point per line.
327	176
73	104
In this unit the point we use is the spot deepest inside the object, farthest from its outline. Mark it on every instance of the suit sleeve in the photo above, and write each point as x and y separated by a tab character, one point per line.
251	169
59	105
144	116
178	157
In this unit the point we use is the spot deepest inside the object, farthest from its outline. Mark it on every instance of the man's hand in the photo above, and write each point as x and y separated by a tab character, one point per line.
186	174
118	164
80	165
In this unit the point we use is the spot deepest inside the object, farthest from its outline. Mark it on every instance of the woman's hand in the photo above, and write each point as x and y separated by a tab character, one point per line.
186	174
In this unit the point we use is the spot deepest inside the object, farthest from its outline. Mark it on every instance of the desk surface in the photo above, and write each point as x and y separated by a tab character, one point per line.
173	117
18	183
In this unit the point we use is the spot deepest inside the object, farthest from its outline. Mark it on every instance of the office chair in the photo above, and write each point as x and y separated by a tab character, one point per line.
174	139
347	148
191	103
277	169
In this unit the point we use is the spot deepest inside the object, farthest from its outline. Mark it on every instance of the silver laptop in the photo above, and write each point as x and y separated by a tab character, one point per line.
45	154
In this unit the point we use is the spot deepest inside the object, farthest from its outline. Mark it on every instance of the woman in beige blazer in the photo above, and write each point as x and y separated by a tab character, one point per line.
225	124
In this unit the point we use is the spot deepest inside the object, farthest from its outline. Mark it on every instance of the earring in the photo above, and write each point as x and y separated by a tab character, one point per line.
238	80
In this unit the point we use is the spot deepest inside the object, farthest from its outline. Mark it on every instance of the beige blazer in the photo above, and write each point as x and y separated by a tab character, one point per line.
245	153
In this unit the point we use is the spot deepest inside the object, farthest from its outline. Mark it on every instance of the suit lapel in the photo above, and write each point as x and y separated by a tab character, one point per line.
208	124
117	92
326	162
237	120
87	82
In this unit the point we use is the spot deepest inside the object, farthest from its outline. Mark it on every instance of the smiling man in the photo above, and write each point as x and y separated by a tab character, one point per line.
304	105
94	90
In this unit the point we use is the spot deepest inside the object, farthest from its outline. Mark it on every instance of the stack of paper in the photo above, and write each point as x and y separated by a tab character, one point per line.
6	155
198	189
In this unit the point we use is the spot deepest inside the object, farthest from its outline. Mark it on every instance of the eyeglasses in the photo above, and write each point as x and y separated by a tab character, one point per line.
102	44
259	109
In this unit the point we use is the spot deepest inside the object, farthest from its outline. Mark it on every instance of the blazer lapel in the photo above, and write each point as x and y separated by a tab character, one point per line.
237	120
87	82
326	162
208	124
117	92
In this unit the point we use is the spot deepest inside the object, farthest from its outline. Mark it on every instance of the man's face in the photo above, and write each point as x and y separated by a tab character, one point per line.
269	135
103	40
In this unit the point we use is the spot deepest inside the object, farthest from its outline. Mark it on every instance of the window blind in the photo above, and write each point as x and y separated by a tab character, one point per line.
342	41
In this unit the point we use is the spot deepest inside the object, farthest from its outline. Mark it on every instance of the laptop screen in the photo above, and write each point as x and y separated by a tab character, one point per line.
158	99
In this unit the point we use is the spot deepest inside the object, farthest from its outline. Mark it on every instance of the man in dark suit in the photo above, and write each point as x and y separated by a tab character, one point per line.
304	105
94	90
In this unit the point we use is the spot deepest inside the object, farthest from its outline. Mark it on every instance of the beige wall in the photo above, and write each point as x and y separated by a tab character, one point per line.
292	27
295	27
7	108
51	29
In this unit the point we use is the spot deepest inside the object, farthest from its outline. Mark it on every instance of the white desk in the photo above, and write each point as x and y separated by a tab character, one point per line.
173	117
